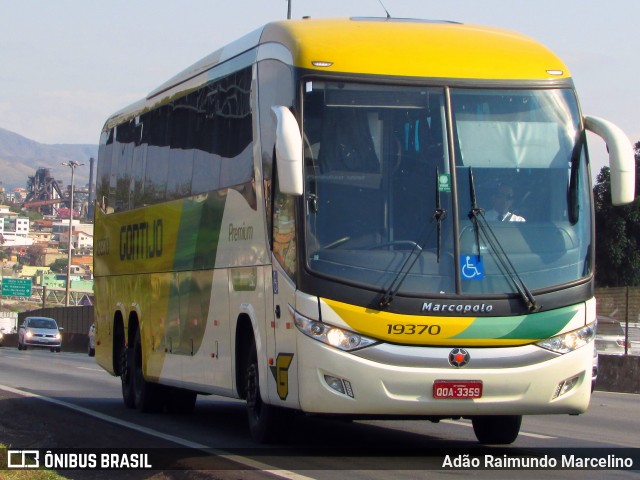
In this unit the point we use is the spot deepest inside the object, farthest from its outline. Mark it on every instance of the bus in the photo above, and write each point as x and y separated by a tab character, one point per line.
301	220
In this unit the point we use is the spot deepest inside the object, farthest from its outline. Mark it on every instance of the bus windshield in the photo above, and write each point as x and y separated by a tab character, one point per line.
453	190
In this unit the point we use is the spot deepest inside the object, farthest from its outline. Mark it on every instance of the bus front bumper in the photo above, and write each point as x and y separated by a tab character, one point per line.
398	380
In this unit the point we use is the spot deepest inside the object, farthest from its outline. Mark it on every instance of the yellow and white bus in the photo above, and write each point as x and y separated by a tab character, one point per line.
303	220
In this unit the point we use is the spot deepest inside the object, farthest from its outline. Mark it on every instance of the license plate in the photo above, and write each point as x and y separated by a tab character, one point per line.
457	389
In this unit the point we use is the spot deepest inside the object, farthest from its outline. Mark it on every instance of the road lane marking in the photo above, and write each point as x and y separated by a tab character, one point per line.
285	474
92	369
526	434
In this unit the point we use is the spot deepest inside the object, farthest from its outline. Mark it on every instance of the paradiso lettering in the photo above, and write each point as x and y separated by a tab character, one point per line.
140	241
455	307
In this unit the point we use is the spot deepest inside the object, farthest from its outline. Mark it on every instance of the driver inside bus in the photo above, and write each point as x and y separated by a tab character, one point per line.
502	200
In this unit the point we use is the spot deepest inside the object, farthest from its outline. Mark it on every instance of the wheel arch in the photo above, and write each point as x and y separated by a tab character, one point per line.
123	336
132	327
243	340
119	342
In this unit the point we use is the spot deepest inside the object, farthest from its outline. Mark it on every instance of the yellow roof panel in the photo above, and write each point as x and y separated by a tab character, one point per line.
415	49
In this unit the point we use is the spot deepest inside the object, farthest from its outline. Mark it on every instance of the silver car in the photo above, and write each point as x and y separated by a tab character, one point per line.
40	332
610	336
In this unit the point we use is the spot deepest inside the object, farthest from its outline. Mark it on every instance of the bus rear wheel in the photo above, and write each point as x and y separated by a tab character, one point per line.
497	429
147	396
126	375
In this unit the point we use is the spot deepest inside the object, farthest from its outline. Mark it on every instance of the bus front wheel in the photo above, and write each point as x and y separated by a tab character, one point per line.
264	419
497	429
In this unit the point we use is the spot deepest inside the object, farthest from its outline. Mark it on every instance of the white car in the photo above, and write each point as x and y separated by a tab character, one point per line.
91	349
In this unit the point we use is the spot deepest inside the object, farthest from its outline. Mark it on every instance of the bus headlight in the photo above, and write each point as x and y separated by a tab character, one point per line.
330	335
568	342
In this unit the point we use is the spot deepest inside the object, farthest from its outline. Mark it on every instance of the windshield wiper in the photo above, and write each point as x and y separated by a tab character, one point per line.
411	259
480	225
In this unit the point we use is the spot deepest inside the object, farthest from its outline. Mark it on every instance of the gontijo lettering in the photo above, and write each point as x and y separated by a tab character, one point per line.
101	247
139	241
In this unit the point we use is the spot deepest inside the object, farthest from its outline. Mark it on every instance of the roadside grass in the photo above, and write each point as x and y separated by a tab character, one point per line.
24	474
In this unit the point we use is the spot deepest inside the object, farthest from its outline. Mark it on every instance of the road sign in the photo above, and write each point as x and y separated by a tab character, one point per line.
16	287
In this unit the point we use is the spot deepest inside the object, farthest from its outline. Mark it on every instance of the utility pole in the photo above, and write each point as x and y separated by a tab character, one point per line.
288	9
72	164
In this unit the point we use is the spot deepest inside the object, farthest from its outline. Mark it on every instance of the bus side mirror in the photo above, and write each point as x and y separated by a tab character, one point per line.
621	159
288	151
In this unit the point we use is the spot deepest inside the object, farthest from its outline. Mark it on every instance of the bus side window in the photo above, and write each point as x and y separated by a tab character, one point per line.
350	175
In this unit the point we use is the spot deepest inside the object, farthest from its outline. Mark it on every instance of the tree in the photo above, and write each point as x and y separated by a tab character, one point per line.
617	233
35	255
59	265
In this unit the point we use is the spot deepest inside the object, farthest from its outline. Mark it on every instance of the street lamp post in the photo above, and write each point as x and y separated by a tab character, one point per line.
72	164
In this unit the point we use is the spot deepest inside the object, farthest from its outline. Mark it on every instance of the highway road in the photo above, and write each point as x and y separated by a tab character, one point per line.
73	385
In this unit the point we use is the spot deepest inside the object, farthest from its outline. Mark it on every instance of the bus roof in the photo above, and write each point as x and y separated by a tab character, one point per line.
390	47
415	48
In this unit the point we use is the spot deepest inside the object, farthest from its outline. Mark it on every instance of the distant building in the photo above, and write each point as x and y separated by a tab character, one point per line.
80	241
53	254
40	237
22	226
58	228
34	273
14	231
17	195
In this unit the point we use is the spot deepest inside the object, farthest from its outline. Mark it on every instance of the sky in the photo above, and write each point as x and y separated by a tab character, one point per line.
67	65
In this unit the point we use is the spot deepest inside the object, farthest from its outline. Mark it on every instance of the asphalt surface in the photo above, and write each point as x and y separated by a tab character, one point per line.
29	423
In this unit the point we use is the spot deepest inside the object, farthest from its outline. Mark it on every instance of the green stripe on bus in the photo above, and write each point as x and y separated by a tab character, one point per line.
199	231
534	326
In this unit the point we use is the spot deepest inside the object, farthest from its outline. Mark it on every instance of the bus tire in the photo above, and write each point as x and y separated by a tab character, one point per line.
264	419
126	376
148	396
497	429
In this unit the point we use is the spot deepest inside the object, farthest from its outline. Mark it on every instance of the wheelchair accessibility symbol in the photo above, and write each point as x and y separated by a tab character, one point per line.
471	267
